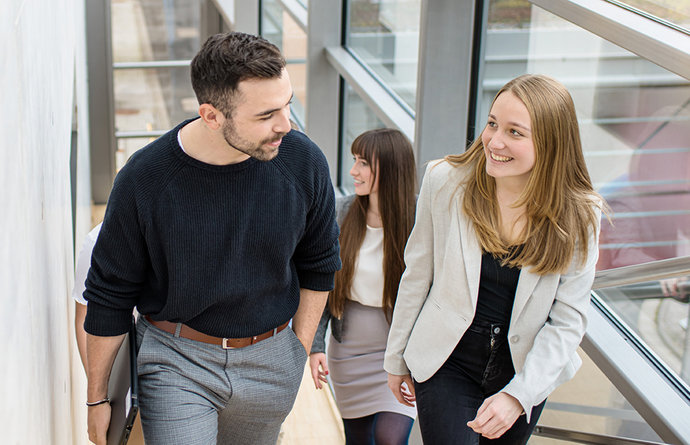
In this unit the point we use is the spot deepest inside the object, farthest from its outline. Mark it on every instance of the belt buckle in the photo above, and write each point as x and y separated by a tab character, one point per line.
225	344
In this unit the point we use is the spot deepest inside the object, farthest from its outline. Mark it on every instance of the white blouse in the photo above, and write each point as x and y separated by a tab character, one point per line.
367	281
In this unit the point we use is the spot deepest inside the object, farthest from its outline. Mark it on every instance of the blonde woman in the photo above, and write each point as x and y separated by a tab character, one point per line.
500	263
375	223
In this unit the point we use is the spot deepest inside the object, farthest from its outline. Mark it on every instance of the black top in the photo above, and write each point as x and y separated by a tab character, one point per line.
497	285
223	249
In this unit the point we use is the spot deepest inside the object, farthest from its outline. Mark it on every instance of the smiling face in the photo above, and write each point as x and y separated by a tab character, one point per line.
507	139
365	178
261	117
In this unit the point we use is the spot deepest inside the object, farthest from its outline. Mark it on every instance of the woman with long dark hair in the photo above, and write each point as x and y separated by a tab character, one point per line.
375	223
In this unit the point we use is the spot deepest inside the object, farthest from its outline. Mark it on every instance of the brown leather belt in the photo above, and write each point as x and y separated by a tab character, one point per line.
225	343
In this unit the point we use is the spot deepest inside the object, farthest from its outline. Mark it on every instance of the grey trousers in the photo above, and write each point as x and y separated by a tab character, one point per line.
194	393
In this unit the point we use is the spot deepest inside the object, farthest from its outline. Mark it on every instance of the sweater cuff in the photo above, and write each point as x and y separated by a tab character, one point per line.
316	281
106	322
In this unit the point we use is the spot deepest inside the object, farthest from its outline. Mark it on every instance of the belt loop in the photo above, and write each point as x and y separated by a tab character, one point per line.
178	328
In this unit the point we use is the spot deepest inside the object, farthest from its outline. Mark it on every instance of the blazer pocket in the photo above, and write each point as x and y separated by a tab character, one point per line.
423	328
433	337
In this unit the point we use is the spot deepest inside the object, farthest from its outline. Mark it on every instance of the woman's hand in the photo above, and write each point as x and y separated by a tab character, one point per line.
319	368
403	388
496	415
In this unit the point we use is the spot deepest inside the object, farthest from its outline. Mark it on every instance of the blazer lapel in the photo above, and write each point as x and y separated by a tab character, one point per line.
526	284
471	253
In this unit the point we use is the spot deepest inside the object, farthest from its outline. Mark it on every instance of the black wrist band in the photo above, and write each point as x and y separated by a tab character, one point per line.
99	402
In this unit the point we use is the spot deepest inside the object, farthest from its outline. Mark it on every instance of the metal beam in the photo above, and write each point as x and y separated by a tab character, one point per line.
226	9
247	16
444	77
211	20
643	385
372	92
101	109
297	12
323	82
651	40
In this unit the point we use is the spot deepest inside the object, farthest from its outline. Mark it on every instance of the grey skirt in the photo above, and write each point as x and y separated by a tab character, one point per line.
356	365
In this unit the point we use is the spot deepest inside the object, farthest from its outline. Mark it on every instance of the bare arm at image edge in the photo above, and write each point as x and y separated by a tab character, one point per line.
79	316
82	269
101	352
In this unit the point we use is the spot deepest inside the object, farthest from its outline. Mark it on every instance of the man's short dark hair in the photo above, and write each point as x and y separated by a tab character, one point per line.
225	60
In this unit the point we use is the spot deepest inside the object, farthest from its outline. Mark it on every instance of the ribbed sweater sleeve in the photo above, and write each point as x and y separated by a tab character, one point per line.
118	263
223	249
317	253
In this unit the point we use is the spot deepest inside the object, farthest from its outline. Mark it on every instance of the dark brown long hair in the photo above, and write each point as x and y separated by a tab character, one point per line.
391	157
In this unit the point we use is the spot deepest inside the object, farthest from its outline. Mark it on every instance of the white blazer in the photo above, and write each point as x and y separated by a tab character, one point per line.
438	292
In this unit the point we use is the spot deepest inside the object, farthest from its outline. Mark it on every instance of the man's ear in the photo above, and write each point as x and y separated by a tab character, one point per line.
212	117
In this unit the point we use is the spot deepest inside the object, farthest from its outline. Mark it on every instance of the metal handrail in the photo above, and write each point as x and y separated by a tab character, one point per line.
650	16
139	134
652	271
151	64
587	438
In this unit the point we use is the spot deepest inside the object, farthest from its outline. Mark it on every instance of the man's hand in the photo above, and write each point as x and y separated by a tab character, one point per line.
98	421
402	388
496	415
319	368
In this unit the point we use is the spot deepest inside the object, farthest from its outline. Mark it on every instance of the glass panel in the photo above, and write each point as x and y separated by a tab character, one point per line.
144	30
153	30
357	118
674	11
272	22
278	27
509	14
385	36
634	119
590	403
658	313
126	148
147	99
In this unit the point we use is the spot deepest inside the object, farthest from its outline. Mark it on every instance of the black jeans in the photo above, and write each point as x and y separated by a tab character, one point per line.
479	367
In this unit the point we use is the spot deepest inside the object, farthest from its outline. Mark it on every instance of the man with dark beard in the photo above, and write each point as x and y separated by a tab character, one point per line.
218	233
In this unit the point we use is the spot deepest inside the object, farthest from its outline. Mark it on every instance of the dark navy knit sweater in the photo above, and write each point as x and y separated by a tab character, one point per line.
223	249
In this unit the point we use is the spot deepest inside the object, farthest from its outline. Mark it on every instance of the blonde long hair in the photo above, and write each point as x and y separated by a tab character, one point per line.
390	154
559	199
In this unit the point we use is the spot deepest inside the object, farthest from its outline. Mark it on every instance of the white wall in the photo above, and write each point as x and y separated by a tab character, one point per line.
38	56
